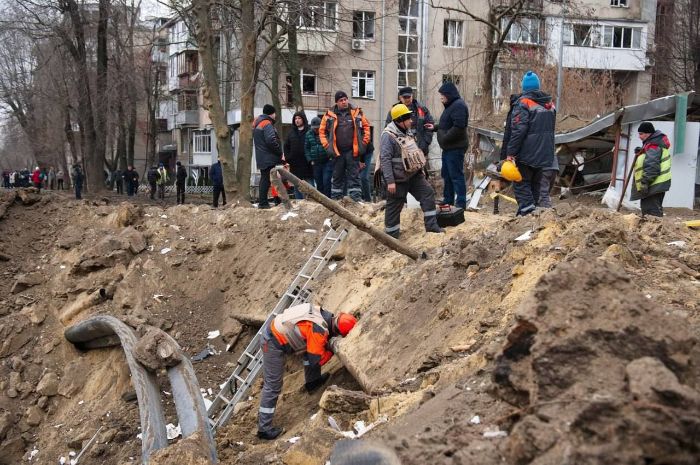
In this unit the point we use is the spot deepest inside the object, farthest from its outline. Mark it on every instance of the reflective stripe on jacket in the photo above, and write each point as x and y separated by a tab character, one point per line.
653	167
303	328
360	137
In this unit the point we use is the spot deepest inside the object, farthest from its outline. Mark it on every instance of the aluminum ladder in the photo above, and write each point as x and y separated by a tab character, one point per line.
249	363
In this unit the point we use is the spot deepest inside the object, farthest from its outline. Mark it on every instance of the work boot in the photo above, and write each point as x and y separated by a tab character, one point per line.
432	226
270	434
437	230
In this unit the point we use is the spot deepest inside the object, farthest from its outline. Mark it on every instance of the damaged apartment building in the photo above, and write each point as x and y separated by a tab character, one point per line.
371	48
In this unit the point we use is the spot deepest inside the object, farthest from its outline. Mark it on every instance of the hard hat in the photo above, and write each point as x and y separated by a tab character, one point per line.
511	172
399	111
344	323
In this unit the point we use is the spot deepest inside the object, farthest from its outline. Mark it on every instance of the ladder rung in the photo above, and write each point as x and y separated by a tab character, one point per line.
305	276
224	399
318	257
249	355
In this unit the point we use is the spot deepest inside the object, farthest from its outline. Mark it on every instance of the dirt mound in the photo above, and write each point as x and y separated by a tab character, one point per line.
600	372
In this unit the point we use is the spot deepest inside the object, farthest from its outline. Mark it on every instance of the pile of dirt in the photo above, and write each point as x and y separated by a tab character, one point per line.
512	332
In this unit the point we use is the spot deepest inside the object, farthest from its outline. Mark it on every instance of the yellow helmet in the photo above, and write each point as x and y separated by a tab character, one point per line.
511	172
399	110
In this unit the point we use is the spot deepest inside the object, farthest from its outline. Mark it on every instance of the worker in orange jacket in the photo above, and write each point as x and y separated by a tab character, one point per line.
302	328
345	134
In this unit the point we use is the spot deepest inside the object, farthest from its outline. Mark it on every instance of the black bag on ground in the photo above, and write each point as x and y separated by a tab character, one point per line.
449	215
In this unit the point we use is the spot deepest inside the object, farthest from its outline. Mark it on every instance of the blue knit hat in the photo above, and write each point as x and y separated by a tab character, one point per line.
531	81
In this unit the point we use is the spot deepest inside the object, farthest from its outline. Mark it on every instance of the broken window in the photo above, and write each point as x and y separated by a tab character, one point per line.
363	84
363	25
581	35
452	33
319	15
618	3
523	30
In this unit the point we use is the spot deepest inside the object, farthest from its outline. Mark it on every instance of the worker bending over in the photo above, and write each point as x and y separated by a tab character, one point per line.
301	328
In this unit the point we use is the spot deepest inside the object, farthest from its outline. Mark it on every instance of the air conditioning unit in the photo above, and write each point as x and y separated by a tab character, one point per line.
358	44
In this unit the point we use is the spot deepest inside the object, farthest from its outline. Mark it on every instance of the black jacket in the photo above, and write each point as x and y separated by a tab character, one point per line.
294	149
268	150
131	176
181	175
420	116
452	129
532	122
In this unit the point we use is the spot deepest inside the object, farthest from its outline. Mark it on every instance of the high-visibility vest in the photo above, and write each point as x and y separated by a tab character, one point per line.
664	176
285	324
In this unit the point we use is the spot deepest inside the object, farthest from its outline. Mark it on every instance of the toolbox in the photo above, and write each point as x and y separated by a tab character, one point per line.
449	215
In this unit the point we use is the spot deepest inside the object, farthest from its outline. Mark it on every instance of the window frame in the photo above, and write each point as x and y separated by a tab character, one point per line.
358	75
367	17
446	34
619	4
313	10
203	139
608	37
517	26
408	33
305	73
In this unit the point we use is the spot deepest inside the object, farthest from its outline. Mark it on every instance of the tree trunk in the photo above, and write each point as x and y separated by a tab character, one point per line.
275	78
96	165
212	98
77	49
248	81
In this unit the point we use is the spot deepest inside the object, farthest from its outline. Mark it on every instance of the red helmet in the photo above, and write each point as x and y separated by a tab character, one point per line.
344	323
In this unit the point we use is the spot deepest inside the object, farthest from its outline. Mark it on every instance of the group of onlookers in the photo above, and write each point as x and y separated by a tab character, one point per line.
39	178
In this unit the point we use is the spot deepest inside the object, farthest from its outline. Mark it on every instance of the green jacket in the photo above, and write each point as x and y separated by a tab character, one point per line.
313	150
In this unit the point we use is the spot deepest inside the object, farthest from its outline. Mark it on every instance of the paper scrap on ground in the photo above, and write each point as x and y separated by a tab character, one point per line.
360	428
165	250
33	453
332	266
213	334
172	431
679	244
310	231
294	440
333	423
165	217
475	420
288	215
327	223
495	434
525	236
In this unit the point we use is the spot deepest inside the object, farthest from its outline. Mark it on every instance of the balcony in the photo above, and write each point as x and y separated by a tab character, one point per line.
187	117
187	82
319	101
314	42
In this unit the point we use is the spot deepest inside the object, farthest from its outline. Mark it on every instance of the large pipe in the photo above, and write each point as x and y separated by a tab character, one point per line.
336	208
189	404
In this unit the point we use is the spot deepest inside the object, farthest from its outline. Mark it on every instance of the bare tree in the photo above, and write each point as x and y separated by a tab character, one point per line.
677	57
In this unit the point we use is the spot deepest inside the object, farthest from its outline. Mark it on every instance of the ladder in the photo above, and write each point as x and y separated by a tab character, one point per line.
250	362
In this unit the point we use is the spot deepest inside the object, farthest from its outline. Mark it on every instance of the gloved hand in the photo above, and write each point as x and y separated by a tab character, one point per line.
644	190
314	385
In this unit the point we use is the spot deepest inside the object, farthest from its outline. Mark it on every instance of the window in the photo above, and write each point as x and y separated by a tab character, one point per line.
319	15
452	33
363	84
622	37
453	78
201	141
363	25
581	35
173	66
618	3
523	30
187	63
187	101
308	82
408	44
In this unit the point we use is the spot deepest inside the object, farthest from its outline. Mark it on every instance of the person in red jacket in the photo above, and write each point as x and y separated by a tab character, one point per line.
303	328
36	178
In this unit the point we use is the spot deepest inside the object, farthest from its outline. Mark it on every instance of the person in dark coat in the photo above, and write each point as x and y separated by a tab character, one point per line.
321	161
294	151
454	142
531	142
180	178
268	150
118	181
420	116
131	178
77	181
152	178
216	174
652	170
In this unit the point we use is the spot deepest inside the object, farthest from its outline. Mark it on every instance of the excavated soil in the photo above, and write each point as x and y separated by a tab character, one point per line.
576	345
